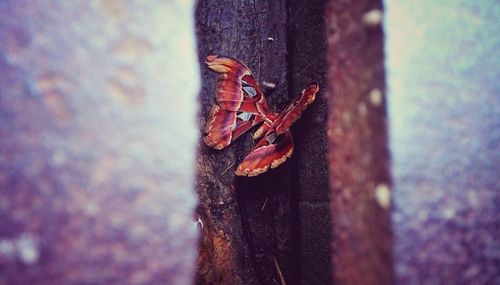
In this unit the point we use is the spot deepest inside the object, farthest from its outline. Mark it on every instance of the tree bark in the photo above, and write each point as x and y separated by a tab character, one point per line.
246	220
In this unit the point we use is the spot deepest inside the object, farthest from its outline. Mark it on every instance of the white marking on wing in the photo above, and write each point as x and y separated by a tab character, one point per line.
244	116
250	91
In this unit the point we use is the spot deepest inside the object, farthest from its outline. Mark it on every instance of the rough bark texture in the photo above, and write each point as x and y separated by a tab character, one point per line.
445	133
358	154
97	140
310	200
248	221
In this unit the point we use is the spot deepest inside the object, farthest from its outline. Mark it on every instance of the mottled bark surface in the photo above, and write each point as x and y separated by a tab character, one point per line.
97	141
445	140
246	220
358	154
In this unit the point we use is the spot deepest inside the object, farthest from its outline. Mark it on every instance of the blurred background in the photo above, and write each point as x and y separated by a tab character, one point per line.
97	142
394	177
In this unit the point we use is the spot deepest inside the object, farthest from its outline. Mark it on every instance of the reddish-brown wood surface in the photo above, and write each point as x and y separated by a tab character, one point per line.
358	153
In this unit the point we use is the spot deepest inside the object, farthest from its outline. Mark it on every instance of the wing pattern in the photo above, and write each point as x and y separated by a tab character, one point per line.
241	105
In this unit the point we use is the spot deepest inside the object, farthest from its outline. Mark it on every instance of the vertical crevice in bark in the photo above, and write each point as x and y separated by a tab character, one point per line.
295	226
310	202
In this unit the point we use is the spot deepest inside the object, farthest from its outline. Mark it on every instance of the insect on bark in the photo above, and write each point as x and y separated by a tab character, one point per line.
240	105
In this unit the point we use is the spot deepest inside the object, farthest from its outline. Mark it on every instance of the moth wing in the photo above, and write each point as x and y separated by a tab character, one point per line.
293	112
237	89
223	126
240	103
270	152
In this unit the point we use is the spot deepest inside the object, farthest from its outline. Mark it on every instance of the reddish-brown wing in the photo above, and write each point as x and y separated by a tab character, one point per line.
223	126
237	89
277	144
240	103
271	151
294	110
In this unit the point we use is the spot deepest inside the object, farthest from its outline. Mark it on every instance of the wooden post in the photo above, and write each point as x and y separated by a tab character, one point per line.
358	152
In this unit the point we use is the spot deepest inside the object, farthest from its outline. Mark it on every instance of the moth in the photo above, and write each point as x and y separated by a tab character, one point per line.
240	105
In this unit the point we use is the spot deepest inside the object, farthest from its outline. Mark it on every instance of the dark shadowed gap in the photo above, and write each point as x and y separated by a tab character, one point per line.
295	225
306	58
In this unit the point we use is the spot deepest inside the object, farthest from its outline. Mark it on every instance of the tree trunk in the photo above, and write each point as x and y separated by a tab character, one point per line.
249	222
246	220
